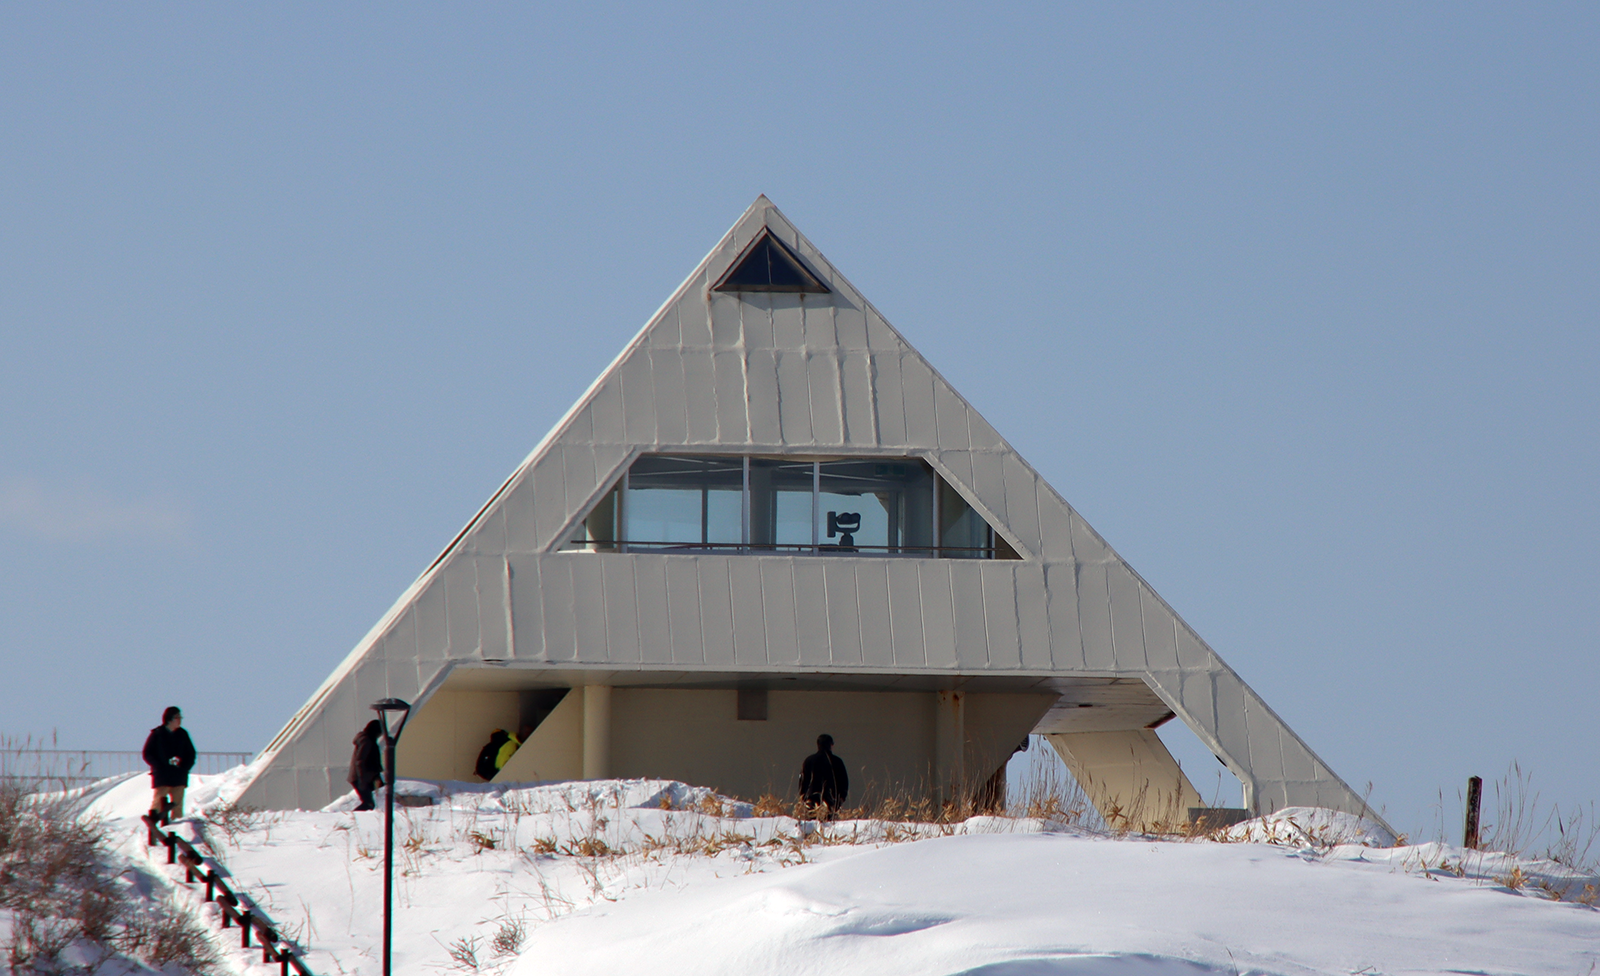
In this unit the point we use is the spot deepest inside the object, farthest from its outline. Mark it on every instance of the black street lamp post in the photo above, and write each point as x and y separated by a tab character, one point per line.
384	708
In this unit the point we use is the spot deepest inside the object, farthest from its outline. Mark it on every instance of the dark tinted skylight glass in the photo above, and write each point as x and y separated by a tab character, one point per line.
770	266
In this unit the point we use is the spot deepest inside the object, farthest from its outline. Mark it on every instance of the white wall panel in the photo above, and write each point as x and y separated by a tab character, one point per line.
905	613
788	321
766	424
1000	614
671	402
749	612
827	424
821	332
916	383
778	598
683	609
881	336
1022	500
1094	617
872	599
811	612
959	466
844	616
580	475
694	322
517	504
889	401
549	478
951	415
1033	618
488	536
733	414
588	607
730	322
527	609
850	325
664	332
399	642
938	612
605	413
1061	602
716	610
1127	621
985	437
1160	632
1055	524
460	581
555	589
638	398
794	398
650	590
860	422
622	613
966	598
433	635
1191	653
700	389
988	479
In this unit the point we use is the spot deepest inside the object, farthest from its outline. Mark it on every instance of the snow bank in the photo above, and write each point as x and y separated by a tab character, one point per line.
650	876
1312	827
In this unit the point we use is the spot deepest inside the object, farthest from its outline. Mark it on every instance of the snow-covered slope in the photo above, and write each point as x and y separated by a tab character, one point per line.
655	877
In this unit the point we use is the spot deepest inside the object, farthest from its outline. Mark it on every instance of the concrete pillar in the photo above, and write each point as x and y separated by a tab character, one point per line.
596	731
1130	777
949	746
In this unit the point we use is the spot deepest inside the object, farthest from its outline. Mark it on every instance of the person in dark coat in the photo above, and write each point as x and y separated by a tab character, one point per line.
170	755
823	780
366	764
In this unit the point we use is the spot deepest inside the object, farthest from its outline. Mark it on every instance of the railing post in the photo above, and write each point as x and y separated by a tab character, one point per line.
171	840
1470	838
245	918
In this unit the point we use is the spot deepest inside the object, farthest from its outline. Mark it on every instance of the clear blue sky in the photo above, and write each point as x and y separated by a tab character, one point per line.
1297	304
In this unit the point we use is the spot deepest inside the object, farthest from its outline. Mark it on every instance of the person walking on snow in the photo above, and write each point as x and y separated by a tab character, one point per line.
823	780
366	764
170	755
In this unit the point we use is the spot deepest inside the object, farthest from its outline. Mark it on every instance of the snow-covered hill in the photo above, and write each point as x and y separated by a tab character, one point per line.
656	877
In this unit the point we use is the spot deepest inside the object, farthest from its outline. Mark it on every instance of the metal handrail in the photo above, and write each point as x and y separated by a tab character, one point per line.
821	548
249	918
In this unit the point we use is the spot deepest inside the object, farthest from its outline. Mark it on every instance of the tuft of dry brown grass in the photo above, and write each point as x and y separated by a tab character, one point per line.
54	881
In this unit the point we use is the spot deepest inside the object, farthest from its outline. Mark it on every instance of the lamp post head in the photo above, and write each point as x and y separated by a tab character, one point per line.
385	707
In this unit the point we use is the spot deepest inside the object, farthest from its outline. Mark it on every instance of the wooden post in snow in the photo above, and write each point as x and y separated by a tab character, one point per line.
1474	805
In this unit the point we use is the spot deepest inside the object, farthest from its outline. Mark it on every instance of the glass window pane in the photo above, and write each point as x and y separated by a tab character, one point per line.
965	534
875	507
684	502
780	504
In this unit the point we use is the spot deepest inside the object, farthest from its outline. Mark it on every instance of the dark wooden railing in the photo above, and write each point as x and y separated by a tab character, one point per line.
234	910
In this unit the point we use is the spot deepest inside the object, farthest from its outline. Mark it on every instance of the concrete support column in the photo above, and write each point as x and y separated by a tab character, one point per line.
949	746
596	731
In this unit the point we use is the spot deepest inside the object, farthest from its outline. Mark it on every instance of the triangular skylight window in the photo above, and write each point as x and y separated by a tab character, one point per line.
769	265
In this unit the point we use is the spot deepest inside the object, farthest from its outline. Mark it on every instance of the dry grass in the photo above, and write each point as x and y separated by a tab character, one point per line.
54	880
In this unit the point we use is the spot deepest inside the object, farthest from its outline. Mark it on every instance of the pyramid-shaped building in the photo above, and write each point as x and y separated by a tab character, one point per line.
771	518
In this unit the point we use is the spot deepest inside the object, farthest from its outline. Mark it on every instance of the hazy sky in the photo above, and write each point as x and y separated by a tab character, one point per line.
1297	304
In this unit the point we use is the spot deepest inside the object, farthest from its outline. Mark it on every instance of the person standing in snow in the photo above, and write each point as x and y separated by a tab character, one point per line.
170	755
366	764
823	780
